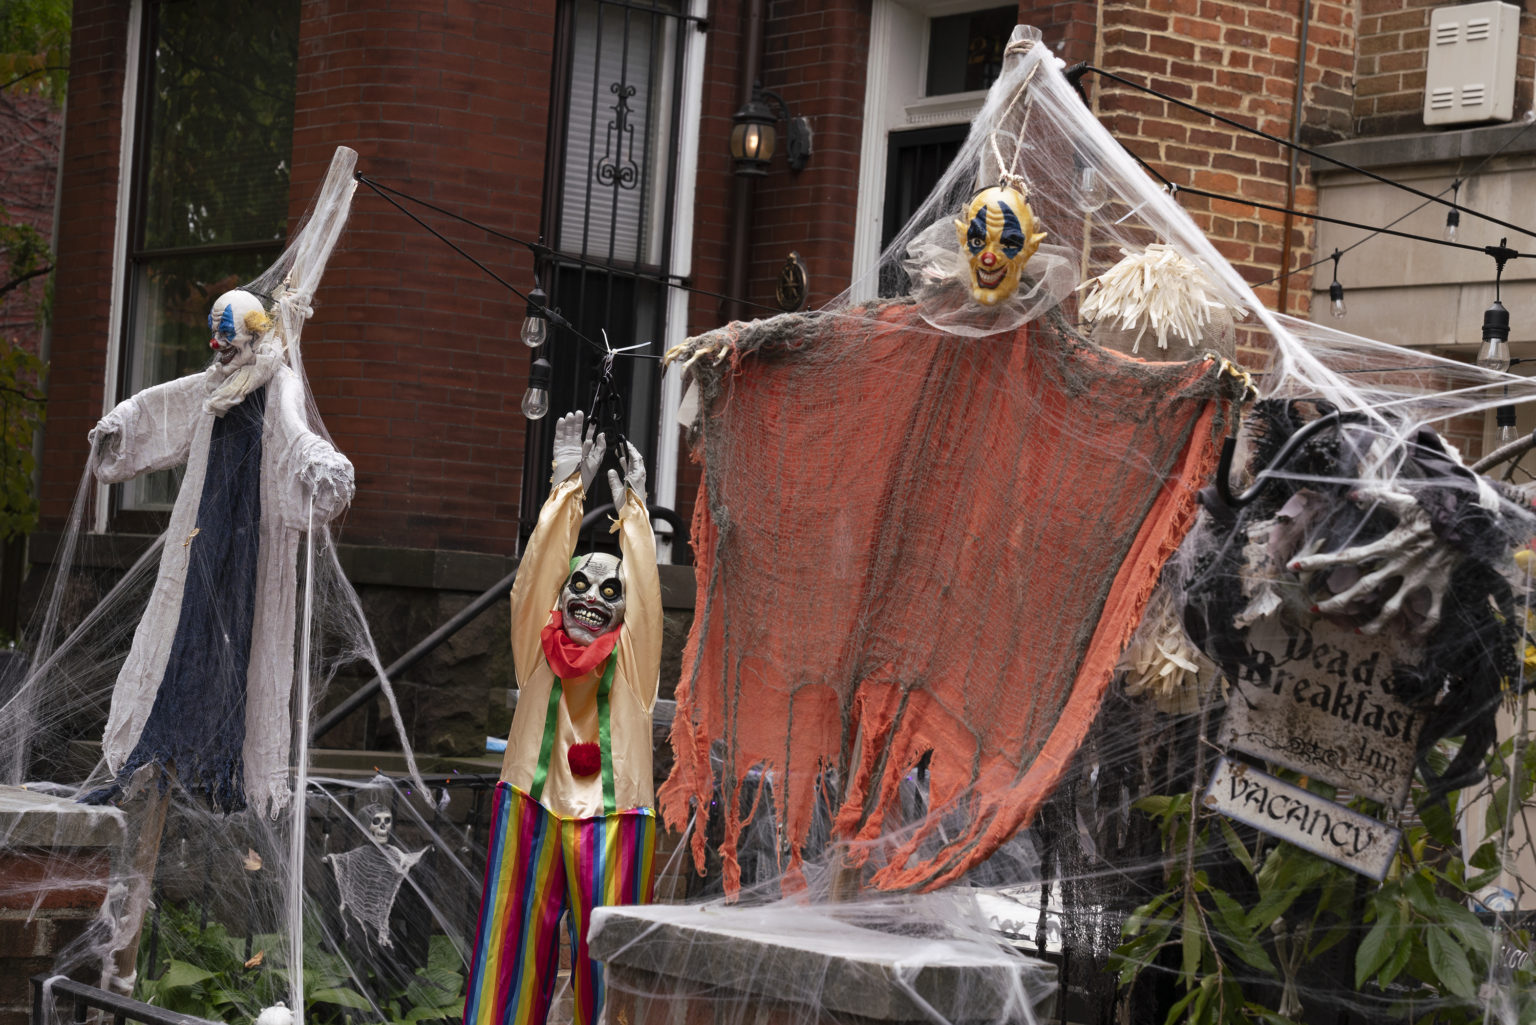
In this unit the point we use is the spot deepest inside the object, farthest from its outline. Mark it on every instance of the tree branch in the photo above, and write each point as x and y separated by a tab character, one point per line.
18	282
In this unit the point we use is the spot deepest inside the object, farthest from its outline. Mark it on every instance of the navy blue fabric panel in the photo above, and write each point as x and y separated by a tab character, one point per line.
197	724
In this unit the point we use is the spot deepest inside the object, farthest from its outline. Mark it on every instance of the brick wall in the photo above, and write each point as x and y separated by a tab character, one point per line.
1239	59
30	133
82	283
413	353
1393	50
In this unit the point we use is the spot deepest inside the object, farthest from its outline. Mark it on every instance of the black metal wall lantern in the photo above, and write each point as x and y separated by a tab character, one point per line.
753	134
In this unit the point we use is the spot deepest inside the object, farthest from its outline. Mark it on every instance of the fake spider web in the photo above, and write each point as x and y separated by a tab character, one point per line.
941	644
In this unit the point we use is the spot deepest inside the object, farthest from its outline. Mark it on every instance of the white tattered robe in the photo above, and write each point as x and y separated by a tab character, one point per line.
165	426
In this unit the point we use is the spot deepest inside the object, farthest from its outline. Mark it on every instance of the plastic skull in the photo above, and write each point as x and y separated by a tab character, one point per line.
592	601
237	321
380	822
998	234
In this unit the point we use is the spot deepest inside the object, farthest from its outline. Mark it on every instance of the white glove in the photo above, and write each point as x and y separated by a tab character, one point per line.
576	450
633	479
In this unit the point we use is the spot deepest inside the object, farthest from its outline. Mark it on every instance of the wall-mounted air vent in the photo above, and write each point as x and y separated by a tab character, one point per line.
1471	68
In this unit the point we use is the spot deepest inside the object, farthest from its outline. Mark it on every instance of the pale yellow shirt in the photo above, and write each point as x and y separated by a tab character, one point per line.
536	591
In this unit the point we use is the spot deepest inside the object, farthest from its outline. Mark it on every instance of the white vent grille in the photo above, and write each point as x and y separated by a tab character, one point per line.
1470	75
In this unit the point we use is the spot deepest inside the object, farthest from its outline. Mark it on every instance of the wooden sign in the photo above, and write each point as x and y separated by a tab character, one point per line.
1311	822
1313	699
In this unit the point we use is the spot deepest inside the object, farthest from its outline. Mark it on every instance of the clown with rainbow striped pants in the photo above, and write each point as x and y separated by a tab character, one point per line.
573	825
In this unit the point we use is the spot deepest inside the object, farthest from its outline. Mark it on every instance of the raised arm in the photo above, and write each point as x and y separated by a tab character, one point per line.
546	559
642	580
150	431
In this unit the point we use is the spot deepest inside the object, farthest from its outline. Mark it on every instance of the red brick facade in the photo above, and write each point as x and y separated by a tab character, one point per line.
412	353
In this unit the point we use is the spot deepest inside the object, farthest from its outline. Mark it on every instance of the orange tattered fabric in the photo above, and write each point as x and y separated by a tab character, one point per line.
909	543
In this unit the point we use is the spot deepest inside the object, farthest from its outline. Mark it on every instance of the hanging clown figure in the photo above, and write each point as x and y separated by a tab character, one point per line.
998	235
573	825
204	693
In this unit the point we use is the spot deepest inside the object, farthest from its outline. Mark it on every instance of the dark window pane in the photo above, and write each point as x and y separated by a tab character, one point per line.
965	51
219	130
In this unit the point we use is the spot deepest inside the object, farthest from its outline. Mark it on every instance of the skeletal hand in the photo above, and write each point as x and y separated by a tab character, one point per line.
1411	554
577	449
633	479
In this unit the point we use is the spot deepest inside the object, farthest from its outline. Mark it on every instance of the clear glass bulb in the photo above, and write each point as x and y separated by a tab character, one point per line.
535	402
535	331
1507	434
1091	191
1452	222
1494	355
1336	299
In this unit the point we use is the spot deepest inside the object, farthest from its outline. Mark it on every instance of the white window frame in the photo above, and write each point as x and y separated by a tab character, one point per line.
894	100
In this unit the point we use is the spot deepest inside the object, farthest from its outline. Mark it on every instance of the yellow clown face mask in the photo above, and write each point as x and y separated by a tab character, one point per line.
998	235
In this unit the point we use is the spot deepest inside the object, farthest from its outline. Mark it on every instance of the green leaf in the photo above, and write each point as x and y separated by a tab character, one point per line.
340	996
1237	933
181	975
1177	1010
1485	857
1450	962
1192	940
1235	845
1402	953
1376	948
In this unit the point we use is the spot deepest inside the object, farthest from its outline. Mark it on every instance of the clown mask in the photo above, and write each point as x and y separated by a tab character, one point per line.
998	234
592	601
237	321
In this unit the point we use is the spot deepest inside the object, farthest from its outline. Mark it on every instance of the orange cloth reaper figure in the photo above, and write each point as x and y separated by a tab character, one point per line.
912	548
573	826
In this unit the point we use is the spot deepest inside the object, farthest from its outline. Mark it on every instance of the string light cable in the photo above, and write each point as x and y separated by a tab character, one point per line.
1081	69
544	252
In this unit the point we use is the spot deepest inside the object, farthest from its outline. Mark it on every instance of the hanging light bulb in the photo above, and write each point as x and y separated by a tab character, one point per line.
1336	290
536	320
1453	215
1504	417
1090	190
1494	354
536	398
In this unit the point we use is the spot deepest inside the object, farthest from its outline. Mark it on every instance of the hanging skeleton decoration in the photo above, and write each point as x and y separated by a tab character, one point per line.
1418	558
997	232
573	826
369	877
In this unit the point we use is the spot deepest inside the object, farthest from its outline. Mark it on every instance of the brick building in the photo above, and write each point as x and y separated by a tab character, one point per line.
598	129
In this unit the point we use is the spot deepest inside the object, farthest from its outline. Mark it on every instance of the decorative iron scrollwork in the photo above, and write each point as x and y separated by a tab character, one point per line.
619	144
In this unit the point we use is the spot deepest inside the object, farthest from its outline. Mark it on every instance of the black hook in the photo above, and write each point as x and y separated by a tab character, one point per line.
1260	482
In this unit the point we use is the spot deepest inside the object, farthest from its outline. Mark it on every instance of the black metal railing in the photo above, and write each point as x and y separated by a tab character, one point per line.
48	992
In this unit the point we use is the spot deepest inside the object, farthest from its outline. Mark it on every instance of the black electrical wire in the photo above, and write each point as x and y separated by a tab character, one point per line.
1460	180
1500	252
1428	197
543	251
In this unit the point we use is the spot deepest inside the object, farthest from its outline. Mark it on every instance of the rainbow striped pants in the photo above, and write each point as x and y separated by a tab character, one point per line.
541	866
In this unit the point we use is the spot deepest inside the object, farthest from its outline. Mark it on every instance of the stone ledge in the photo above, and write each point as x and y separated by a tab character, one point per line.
766	954
1426	147
32	819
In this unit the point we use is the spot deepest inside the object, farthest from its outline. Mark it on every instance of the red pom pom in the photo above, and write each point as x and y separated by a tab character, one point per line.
585	759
